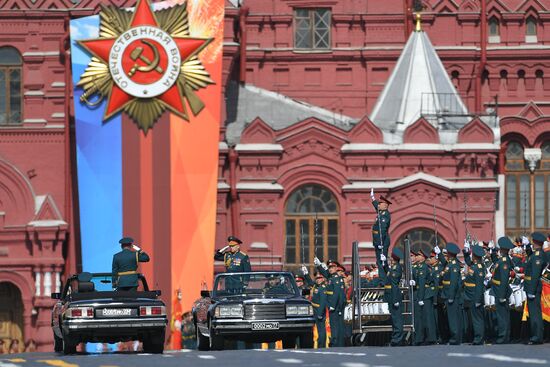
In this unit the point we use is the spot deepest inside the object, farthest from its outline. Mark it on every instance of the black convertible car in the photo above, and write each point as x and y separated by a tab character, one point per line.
89	310
253	307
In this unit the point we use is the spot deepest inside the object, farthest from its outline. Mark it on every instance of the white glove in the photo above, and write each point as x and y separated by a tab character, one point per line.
451	301
491	244
412	282
382	258
316	261
421	303
530	296
372	194
224	249
396	304
304	270
517	269
331	309
380	247
437	250
177	324
324	266
546	245
466	245
502	300
478	304
524	240
136	247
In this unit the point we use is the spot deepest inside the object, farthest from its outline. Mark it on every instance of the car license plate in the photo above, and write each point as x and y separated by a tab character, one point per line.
116	312
265	326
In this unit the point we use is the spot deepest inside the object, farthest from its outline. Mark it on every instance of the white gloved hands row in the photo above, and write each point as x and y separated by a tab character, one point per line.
524	240
372	194
136	247
304	270
437	250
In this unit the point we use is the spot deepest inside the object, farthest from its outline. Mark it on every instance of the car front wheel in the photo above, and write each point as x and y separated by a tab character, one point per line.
202	341
216	341
69	346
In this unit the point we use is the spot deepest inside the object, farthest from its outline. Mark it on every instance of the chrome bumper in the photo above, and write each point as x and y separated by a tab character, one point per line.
84	324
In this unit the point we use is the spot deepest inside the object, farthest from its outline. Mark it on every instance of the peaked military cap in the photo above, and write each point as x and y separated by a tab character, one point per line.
319	276
415	250
538	238
397	253
452	248
126	241
384	200
478	251
505	243
333	263
426	253
298	277
234	239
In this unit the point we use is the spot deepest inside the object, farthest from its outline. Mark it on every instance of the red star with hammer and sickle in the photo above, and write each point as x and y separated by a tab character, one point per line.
143	15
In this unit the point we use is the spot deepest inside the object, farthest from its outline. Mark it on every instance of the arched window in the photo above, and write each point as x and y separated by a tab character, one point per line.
494	30
311	225
422	238
10	86
531	26
518	193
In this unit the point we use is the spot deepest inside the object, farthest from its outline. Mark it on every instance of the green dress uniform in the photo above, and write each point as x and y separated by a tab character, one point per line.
427	295
336	300
380	232
124	269
392	295
501	288
319	303
442	330
474	290
237	262
536	263
451	280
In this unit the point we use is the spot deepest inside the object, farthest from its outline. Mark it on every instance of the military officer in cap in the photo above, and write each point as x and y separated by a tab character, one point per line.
125	264
381	227
533	287
319	302
235	261
451	281
336	299
474	290
500	284
427	304
392	294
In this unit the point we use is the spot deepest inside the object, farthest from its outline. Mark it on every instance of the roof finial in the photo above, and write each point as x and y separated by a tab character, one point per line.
418	23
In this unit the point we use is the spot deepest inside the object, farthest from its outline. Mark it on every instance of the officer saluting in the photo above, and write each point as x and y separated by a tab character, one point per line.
474	289
501	287
235	261
381	227
336	300
319	303
533	287
451	291
125	264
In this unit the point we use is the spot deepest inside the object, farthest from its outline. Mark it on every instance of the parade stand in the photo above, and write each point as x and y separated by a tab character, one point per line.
369	313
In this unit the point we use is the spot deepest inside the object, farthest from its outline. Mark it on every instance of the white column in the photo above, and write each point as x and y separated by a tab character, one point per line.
37	283
47	282
57	282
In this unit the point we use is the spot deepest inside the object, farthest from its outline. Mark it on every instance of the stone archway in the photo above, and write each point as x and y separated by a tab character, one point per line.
11	315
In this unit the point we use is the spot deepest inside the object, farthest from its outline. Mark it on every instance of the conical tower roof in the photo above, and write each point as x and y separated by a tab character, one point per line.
419	86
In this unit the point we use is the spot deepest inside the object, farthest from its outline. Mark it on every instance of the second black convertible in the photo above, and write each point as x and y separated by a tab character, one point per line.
253	307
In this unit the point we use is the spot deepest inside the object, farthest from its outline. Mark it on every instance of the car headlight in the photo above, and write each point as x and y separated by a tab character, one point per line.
299	310
229	311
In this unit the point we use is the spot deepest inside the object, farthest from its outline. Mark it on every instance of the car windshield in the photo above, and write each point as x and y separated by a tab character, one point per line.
266	283
88	282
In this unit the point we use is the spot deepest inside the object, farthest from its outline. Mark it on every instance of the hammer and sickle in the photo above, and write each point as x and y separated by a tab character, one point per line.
137	53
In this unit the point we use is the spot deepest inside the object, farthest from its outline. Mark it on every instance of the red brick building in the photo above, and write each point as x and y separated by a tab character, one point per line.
300	147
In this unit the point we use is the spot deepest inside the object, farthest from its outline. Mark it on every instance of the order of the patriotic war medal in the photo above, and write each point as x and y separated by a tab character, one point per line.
145	63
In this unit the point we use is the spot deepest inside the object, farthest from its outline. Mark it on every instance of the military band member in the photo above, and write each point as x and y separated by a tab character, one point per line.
442	327
336	300
319	303
533	288
235	261
451	281
474	290
125	265
419	272
500	284
428	310
381	227
392	294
